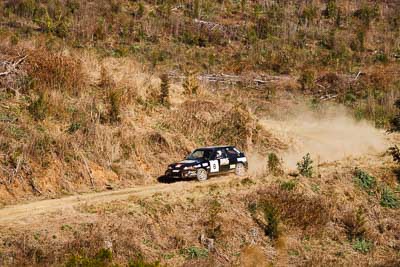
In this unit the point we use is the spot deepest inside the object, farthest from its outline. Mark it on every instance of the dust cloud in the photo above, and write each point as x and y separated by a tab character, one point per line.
328	135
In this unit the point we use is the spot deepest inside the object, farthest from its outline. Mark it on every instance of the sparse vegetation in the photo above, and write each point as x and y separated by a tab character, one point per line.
289	185
364	180
305	166
190	84
195	252
274	164
362	246
389	199
82	109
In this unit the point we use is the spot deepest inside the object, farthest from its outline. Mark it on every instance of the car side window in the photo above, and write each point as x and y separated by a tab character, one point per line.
220	154
232	153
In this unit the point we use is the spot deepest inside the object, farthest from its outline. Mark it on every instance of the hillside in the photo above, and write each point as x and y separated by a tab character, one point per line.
97	97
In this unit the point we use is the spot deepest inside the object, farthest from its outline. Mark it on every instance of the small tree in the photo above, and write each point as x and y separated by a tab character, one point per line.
190	84
164	92
305	166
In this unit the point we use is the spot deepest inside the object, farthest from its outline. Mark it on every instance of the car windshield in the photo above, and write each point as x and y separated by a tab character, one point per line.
200	154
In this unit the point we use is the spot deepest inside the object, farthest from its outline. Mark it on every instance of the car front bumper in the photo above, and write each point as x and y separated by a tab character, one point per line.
181	173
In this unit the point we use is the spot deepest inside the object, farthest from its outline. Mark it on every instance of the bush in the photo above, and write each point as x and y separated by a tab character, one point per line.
289	185
364	179
389	199
269	221
305	166
297	209
355	224
362	246
195	252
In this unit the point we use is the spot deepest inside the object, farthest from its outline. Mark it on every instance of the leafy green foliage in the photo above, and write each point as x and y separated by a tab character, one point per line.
362	245
364	179
289	185
195	252
305	166
389	199
270	222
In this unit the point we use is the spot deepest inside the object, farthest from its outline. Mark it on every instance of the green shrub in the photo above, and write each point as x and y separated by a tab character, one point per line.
270	221
362	245
289	185
364	179
389	199
305	166
195	252
271	216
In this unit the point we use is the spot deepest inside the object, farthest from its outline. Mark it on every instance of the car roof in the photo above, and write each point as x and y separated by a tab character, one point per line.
213	147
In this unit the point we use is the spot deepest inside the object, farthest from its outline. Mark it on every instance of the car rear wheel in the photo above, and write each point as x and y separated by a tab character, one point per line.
202	175
240	169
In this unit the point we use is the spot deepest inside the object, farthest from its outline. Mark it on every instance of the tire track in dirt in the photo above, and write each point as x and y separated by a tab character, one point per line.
26	213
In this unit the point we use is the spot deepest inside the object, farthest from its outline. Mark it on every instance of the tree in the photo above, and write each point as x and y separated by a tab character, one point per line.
164	92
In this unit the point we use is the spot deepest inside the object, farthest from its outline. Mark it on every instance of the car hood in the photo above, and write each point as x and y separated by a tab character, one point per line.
185	163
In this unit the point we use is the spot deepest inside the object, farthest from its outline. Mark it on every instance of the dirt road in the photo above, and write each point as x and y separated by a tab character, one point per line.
26	213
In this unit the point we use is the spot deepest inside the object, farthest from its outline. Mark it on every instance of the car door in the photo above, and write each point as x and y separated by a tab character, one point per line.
219	161
232	156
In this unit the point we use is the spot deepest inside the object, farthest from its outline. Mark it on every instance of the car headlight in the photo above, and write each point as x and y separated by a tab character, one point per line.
189	168
169	168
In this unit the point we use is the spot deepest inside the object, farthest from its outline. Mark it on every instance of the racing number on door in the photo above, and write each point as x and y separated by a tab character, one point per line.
214	166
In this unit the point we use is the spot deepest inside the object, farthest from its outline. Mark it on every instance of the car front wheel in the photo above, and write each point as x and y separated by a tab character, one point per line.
202	175
240	169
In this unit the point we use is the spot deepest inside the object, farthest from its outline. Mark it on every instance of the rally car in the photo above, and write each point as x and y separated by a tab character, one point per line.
206	161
